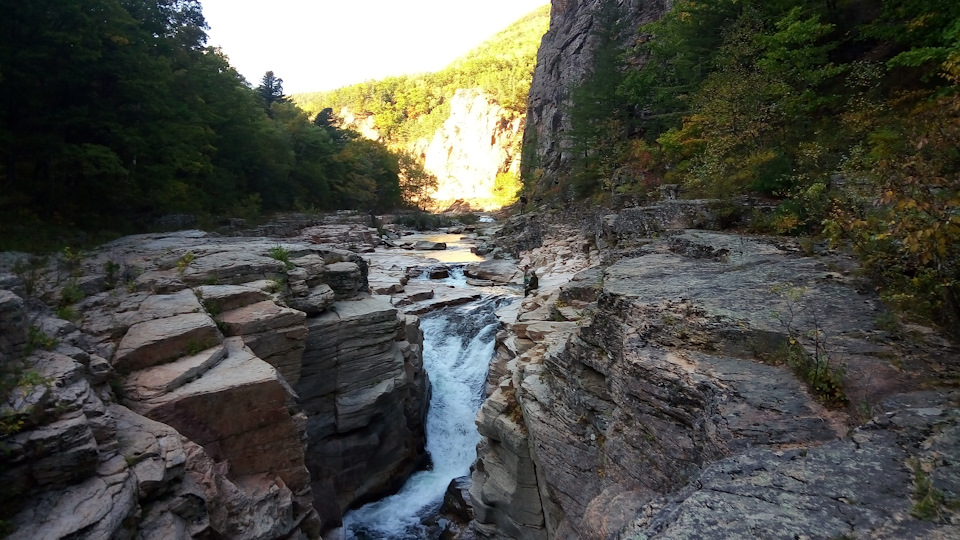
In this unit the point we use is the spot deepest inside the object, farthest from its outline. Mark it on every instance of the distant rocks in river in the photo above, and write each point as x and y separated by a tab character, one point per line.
427	245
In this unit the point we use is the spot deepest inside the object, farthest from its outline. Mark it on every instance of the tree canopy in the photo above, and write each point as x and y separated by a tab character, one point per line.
843	114
115	111
413	106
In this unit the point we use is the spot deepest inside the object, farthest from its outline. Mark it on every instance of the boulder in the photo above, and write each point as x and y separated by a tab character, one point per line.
438	272
497	271
426	245
158	341
315	301
345	279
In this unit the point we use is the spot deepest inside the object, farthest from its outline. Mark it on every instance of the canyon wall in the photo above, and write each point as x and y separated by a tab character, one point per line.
479	140
563	61
207	387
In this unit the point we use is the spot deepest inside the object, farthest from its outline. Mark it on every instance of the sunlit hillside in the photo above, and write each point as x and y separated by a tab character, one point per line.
413	106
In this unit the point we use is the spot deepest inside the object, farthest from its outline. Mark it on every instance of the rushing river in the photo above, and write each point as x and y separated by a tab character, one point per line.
458	346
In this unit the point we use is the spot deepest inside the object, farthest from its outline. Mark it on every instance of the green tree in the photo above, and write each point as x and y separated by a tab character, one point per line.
416	183
271	91
599	116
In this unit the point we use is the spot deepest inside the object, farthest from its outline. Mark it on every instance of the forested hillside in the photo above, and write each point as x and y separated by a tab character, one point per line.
845	115
413	106
114	112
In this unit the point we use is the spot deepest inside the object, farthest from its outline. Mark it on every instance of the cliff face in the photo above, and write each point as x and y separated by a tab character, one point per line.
190	399
563	61
479	140
668	390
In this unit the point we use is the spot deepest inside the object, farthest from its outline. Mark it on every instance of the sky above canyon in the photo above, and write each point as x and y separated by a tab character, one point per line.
325	44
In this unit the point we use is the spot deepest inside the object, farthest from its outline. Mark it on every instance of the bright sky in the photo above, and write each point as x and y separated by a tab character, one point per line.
325	44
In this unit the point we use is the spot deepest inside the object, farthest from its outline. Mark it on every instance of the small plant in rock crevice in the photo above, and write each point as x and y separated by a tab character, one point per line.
31	272
824	375
68	313
38	339
929	502
184	261
69	262
281	254
277	286
112	271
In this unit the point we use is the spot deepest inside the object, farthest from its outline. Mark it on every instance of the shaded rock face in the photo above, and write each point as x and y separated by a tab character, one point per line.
365	394
564	59
664	411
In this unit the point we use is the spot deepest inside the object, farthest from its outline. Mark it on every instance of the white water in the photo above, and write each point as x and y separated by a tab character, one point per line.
458	347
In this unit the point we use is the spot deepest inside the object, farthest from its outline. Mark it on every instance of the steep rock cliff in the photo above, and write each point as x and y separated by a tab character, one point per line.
563	61
476	142
479	140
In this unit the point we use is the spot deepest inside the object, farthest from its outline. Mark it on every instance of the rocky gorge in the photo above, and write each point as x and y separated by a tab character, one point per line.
664	381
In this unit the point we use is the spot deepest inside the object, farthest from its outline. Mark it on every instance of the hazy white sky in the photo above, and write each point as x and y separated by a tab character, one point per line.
325	44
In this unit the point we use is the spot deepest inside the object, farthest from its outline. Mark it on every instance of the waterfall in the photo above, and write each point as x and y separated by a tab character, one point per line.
458	346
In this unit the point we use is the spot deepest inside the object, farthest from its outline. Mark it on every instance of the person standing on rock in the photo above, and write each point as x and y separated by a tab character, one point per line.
530	281
523	203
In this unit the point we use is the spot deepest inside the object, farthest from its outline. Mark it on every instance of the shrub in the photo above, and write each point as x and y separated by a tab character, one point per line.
281	254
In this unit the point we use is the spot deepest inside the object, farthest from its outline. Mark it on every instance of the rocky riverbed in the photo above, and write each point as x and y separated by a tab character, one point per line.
194	385
663	381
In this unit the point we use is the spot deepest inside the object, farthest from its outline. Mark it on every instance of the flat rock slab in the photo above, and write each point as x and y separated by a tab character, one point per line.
426	245
538	331
496	270
362	312
161	306
158	341
229	297
442	299
239	265
415	292
260	317
731	276
168	377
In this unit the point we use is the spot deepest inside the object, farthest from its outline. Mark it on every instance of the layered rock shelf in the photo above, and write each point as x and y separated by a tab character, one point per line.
208	387
661	387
